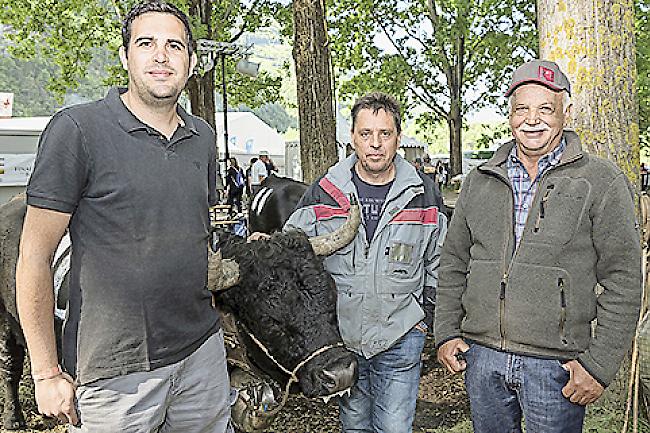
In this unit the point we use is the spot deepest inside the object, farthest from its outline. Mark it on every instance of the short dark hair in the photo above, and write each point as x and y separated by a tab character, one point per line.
376	101
154	6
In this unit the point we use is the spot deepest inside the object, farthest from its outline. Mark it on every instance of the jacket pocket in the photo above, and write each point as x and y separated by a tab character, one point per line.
540	309
402	258
559	211
480	300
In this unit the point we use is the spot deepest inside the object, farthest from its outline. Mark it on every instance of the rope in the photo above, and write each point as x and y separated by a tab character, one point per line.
293	378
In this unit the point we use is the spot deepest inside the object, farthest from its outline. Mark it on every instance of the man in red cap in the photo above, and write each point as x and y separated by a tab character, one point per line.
534	230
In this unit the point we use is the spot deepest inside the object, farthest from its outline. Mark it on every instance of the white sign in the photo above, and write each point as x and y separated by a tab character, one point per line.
6	104
15	169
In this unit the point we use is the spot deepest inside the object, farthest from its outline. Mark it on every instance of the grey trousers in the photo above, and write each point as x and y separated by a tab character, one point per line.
190	396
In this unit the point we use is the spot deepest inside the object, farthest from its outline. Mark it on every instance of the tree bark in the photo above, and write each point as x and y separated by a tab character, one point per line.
593	43
455	115
200	88
311	55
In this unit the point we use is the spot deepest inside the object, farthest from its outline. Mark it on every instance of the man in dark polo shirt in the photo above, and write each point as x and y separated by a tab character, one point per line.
131	177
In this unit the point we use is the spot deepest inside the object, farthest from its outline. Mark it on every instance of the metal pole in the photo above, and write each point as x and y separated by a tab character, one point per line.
225	111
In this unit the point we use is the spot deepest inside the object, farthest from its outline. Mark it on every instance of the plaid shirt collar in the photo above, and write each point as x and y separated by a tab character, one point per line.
545	162
523	188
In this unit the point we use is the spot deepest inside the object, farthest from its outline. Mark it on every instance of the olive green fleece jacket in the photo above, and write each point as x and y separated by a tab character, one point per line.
538	299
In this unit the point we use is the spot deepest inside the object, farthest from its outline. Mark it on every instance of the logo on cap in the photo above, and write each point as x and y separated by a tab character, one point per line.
546	74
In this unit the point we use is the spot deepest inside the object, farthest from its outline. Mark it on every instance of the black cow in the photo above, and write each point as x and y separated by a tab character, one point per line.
273	204
281	295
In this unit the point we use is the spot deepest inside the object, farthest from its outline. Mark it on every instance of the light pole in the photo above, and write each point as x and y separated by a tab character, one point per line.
208	50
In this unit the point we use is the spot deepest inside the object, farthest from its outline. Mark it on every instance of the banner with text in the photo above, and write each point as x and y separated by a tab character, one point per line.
15	169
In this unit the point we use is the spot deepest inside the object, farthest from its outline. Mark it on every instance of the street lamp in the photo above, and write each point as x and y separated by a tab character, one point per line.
208	50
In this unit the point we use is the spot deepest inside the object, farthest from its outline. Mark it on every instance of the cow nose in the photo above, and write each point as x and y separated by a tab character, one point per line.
341	378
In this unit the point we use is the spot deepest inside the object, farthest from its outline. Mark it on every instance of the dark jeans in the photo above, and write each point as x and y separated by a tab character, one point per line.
503	386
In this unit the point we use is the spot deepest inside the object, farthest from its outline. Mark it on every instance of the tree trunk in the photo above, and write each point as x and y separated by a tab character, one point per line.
201	88
455	116
593	42
454	122
311	54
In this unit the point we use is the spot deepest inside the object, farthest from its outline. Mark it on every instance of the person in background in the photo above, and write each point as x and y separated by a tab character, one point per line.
235	183
417	163
386	278
259	172
270	166
249	194
534	231
131	176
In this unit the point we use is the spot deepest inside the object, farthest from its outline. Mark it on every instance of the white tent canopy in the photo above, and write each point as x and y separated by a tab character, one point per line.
247	136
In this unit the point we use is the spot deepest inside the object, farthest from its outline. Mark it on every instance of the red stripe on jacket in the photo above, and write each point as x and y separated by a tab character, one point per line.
422	216
335	193
324	212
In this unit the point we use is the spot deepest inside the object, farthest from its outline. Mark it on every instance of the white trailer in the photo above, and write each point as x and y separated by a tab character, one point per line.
18	143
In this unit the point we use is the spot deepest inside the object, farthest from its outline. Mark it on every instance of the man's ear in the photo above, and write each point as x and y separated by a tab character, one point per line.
567	110
123	58
193	61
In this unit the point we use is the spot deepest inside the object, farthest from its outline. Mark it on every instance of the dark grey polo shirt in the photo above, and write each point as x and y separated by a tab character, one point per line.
139	231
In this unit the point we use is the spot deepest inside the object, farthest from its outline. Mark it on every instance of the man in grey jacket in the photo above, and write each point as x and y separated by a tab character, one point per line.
386	277
535	229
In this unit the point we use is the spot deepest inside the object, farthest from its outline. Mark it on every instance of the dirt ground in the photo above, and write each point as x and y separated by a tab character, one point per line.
442	402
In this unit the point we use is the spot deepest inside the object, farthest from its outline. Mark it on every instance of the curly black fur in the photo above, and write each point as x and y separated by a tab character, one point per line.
12	343
287	300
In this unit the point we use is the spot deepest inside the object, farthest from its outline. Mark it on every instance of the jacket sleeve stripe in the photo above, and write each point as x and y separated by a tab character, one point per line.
323	212
423	216
336	193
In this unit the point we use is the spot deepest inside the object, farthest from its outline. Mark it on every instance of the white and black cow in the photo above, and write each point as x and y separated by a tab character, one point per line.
271	207
280	295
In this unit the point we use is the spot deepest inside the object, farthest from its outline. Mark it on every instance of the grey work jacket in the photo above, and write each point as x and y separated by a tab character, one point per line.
380	282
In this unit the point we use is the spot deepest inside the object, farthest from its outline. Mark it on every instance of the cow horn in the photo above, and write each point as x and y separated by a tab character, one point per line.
325	245
222	273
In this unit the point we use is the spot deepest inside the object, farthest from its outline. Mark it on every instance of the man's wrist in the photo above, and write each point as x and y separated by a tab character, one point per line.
47	374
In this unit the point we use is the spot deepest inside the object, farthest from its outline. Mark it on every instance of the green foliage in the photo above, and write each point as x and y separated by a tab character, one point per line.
69	32
64	31
28	80
413	48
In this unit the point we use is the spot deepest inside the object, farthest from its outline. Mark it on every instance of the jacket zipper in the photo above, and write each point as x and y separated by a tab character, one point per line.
507	265
560	283
502	310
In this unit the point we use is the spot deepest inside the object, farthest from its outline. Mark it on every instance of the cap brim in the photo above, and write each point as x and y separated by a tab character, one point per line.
514	86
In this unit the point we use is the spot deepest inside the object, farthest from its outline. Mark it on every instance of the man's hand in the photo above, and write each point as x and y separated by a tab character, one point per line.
55	398
582	388
447	355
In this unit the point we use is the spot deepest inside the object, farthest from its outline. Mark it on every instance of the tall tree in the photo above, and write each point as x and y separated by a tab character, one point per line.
593	42
311	54
450	56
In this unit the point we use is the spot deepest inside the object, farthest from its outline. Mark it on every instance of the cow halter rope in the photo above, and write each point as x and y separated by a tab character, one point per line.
293	374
